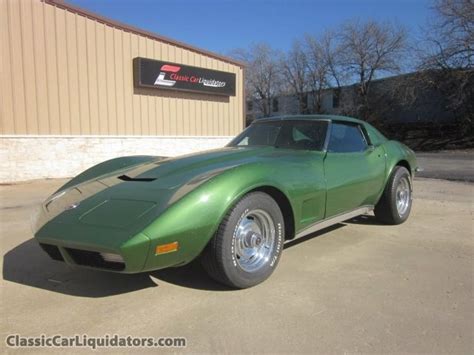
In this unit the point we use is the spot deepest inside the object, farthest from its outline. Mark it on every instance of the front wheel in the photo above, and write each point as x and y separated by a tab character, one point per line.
395	204
248	243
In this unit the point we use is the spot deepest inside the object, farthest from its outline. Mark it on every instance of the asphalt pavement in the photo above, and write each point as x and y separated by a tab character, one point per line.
449	165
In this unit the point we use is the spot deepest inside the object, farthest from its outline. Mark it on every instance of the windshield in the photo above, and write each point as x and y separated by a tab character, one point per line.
306	135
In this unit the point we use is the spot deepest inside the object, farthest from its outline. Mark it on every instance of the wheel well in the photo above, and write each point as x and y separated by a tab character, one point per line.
285	208
405	164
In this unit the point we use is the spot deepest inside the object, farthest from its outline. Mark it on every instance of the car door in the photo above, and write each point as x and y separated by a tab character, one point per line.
354	169
301	145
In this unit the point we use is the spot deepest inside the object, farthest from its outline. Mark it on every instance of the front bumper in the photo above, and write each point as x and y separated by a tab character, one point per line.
85	246
86	258
82	245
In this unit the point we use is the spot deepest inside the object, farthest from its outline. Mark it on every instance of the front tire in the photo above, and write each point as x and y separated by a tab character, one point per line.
395	204
248	243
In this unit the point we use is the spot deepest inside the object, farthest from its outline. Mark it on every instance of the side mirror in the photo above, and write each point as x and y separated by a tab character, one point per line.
370	148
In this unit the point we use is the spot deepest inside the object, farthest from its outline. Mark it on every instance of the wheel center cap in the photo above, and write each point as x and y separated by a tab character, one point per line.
253	240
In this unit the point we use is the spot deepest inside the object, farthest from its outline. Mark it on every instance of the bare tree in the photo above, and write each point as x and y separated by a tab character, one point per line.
447	59
450	36
371	48
318	69
331	51
262	79
294	66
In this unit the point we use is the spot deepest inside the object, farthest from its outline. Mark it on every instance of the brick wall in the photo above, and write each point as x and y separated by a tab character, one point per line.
29	157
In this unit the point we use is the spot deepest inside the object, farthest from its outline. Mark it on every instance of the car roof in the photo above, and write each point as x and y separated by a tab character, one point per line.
309	117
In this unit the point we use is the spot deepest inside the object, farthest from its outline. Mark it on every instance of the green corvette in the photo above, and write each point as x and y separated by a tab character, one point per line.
281	178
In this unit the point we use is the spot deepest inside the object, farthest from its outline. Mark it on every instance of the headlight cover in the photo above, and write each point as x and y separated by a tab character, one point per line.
47	210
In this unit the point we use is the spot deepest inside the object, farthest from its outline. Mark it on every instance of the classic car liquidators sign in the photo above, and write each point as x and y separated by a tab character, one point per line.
172	76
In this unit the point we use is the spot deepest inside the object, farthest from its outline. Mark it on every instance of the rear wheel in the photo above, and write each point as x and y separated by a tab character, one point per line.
248	243
395	204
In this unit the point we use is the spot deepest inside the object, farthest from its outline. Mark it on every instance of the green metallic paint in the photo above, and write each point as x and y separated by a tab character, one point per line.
108	166
185	198
347	191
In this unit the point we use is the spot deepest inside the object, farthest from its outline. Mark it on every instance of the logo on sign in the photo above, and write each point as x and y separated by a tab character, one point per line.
174	77
160	80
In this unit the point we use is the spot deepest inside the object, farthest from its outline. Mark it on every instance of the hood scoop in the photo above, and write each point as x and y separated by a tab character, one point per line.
128	178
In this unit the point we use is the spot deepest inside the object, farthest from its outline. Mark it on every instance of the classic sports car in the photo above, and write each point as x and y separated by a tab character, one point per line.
234	207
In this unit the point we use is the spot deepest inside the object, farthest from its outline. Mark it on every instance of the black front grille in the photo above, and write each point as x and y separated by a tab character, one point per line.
52	251
93	259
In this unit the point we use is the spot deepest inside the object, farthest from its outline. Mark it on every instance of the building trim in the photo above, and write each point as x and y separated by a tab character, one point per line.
39	136
128	28
244	98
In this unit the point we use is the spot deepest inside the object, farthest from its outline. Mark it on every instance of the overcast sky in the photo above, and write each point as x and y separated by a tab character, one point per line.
223	25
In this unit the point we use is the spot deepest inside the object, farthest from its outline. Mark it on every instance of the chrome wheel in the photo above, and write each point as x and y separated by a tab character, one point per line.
254	240
403	196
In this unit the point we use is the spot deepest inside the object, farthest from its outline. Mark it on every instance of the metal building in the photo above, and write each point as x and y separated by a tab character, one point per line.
77	88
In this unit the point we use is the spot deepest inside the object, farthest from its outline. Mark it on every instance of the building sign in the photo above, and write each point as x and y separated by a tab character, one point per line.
172	76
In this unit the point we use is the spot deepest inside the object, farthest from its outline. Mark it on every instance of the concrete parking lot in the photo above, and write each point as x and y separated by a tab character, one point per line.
457	165
357	287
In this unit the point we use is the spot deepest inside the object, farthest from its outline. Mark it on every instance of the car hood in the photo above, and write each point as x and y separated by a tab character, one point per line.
128	199
173	172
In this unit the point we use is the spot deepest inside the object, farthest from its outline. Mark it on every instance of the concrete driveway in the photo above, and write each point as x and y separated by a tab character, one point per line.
358	287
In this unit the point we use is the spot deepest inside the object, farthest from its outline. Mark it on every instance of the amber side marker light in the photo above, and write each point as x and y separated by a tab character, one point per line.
166	248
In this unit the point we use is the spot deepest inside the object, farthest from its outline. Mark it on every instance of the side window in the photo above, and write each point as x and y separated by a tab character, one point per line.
375	136
261	134
308	135
303	135
346	138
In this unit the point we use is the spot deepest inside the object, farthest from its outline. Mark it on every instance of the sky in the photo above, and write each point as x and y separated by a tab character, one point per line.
221	26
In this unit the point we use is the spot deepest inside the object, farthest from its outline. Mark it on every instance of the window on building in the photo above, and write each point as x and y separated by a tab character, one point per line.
249	105
346	138
335	98
304	103
275	107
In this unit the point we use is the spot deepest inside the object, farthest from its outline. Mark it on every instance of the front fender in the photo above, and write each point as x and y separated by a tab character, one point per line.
193	220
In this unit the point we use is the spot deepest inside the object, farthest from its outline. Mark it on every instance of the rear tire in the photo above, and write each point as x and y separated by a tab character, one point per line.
248	243
395	204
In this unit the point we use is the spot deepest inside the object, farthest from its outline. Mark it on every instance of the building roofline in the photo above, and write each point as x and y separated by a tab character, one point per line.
386	78
128	28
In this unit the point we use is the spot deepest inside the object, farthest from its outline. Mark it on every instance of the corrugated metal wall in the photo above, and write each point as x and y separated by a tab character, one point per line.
62	73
